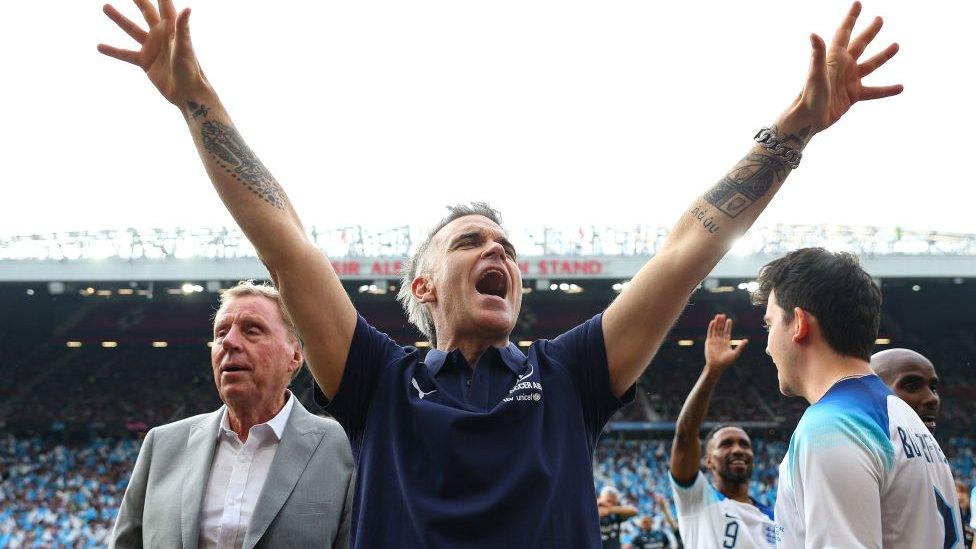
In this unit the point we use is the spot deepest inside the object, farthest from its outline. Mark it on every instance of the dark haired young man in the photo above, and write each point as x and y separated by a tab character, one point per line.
862	470
716	512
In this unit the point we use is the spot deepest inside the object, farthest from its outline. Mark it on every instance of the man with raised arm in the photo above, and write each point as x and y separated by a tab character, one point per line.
612	515
478	444
716	511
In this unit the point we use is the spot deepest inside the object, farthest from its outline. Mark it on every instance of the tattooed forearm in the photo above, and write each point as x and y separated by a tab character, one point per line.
799	139
196	111
230	152
705	216
751	178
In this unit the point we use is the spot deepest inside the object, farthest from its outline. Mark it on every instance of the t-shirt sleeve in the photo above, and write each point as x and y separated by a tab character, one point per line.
370	353
690	499
582	353
842	463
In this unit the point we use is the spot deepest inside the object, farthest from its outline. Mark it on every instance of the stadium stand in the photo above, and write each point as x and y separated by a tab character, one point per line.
61	495
88	366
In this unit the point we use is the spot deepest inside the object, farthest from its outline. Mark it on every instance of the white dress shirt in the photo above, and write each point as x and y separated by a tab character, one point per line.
237	475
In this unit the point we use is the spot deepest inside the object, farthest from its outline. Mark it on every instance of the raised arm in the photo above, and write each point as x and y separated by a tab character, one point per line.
622	510
312	292
636	323
686	447
665	507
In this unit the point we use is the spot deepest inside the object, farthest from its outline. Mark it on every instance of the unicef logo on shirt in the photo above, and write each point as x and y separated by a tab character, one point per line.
534	396
529	396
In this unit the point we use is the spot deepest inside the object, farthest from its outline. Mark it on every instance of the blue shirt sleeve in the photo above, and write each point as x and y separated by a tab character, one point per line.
582	354
371	353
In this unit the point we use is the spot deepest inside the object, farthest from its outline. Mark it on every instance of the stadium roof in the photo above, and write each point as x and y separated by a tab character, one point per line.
580	252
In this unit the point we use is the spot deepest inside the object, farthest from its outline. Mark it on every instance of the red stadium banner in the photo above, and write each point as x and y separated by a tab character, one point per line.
545	266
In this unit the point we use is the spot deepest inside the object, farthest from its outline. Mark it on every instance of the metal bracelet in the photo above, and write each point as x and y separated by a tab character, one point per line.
776	145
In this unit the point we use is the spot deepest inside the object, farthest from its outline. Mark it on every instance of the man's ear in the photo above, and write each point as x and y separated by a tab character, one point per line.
423	289
802	329
297	357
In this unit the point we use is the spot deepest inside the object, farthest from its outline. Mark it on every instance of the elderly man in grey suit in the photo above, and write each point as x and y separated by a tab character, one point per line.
259	472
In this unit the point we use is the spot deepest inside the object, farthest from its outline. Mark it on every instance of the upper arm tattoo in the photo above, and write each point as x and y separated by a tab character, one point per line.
232	154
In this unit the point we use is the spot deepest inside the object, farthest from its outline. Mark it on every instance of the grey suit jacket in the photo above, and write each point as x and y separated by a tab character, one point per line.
306	500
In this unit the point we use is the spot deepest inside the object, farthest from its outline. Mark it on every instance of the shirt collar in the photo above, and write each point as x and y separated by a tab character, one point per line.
276	423
510	355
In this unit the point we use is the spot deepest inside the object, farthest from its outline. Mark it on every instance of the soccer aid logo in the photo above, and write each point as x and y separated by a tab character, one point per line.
534	396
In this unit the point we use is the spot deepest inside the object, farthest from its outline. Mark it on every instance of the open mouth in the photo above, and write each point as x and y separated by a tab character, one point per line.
492	282
741	462
929	421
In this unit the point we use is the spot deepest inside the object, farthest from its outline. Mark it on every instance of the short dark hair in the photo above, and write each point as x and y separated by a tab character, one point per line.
417	313
832	287
714	430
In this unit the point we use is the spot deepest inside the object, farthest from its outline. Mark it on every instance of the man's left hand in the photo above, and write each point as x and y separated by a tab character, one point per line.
834	82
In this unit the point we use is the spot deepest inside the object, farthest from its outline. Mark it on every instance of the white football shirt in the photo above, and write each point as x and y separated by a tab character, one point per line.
863	471
708	519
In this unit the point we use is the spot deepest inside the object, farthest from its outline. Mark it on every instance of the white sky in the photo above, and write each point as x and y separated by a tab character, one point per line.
381	112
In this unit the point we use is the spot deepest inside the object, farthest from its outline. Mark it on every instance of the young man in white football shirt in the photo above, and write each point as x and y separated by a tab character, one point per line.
716	511
862	469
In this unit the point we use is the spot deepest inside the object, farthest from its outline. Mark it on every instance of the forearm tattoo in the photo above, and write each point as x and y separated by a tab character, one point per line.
196	111
798	139
233	155
748	182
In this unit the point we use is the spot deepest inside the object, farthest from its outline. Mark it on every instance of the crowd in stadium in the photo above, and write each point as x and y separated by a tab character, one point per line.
63	487
61	495
119	386
103	386
67	494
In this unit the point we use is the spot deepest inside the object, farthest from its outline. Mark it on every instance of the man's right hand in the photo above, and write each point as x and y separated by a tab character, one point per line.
719	353
309	286
166	54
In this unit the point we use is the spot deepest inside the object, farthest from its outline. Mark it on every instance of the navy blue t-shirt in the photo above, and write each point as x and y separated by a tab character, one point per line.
483	386
436	470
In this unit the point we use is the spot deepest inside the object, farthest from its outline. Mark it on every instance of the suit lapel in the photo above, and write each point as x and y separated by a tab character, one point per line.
198	458
298	441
